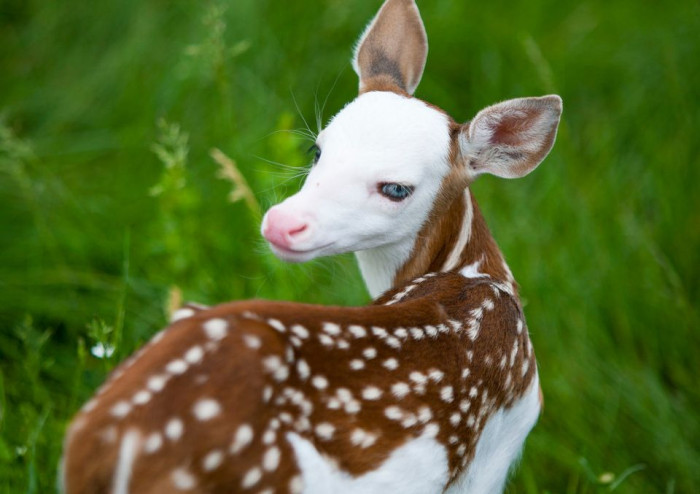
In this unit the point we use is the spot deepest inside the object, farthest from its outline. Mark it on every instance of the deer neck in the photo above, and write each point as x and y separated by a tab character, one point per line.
453	239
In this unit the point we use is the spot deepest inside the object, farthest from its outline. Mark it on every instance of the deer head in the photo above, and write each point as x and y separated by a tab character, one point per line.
389	161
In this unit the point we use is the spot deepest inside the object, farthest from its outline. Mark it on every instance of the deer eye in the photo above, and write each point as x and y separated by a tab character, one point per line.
395	192
315	151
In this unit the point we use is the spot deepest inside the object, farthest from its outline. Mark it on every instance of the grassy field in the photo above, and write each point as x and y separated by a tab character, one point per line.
113	206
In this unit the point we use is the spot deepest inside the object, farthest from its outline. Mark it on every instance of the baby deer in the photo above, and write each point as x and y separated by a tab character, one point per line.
432	388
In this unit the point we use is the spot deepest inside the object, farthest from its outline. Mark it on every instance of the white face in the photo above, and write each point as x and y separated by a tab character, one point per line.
378	140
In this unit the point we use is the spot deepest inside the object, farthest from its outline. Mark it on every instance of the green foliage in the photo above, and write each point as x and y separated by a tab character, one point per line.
140	141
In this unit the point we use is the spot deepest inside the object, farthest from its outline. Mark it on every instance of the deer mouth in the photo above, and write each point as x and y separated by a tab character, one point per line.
296	255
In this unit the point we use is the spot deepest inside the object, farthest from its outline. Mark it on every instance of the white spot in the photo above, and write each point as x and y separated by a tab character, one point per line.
393	342
325	431
465	373
471	420
431	430
89	406
325	340
343	344
514	353
473	392
519	326
431	331
418	377
153	443
194	355
461	450
296	485
277	325
267	393
182	479
357	364
464	406
487	304
141	397
401	333
526	366
331	328
121	409
176	367
344	394
215	329
319	382
436	375
455	418
271	459
251	478
371	393
242	438
252	341
157	383
183	313
393	413
424	414
269	437
409	420
303	369
357	331
472	270
274	365
353	406
369	353
362	438
391	363
417	333
174	429
453	439
206	409
379	332
213	460
300	331
473	329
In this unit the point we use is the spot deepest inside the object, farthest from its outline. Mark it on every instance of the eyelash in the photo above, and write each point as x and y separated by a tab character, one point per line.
395	192
316	151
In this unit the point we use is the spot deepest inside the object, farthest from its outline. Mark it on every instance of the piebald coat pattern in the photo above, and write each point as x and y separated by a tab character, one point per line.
432	388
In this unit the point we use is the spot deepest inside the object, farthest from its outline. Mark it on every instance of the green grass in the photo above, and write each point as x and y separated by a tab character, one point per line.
111	204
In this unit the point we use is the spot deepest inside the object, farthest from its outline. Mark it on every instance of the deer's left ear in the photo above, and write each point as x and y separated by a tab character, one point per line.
393	49
510	139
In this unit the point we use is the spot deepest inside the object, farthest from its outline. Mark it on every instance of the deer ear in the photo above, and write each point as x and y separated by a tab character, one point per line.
393	49
510	139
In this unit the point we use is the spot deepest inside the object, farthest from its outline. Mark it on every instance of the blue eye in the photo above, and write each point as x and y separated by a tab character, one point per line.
395	192
316	152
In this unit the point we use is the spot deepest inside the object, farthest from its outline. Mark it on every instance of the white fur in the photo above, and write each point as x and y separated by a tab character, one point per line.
465	233
417	467
381	137
125	462
499	446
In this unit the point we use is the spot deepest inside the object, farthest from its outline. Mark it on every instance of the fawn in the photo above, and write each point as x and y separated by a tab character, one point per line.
431	388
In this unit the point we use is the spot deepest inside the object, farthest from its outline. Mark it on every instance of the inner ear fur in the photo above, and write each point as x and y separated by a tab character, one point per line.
511	138
392	51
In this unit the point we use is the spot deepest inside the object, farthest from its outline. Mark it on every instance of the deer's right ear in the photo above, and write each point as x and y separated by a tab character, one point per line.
393	49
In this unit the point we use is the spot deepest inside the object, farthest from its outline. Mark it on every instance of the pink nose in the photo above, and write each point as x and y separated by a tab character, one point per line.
282	229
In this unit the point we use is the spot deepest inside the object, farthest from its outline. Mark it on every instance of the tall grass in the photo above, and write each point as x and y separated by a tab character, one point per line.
129	131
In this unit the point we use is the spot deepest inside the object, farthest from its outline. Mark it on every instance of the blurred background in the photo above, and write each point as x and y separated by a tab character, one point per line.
141	140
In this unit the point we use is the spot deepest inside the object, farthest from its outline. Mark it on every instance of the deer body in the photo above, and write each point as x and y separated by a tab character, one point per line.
432	388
